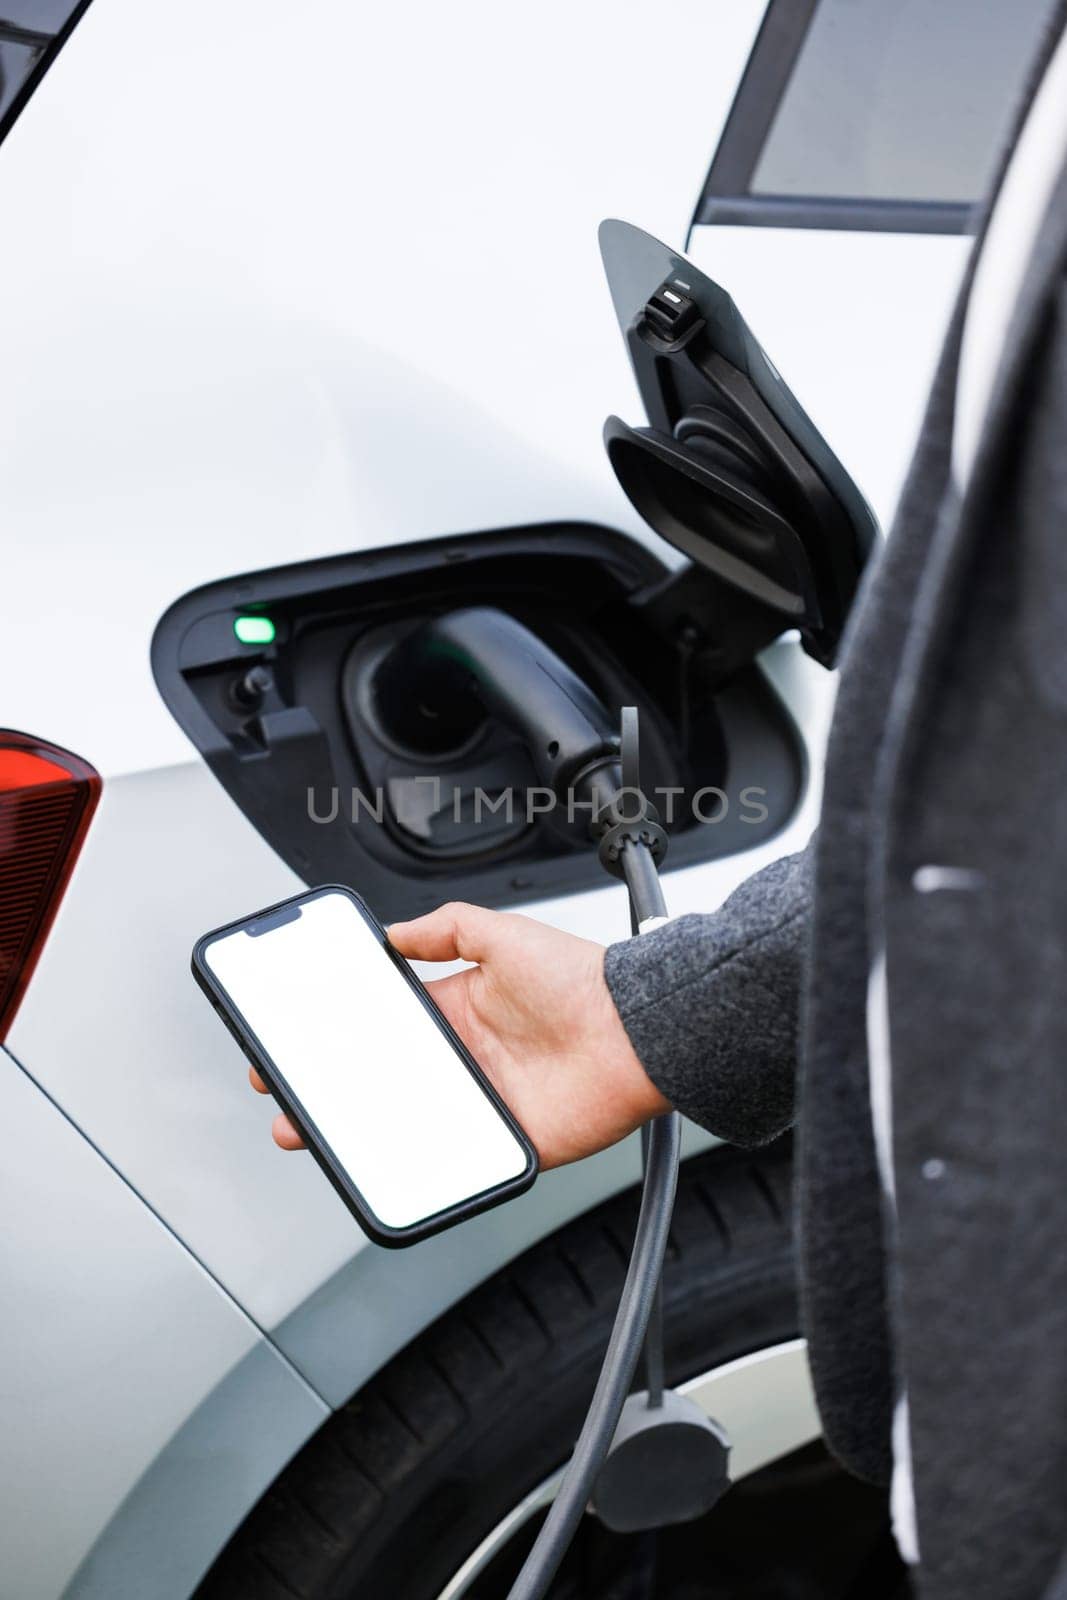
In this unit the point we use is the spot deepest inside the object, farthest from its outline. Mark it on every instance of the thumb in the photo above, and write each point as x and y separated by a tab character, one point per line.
454	932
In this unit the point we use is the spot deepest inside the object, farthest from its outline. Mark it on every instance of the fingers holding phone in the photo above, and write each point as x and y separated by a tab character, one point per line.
282	1131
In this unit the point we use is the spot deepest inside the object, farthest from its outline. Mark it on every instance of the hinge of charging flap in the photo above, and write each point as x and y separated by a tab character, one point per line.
707	622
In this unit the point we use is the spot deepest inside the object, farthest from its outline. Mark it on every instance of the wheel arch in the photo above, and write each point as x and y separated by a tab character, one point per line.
732	1190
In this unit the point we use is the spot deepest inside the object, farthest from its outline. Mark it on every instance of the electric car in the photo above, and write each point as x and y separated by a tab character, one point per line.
306	336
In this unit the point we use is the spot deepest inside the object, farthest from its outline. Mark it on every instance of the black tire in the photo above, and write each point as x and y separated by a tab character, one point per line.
397	1488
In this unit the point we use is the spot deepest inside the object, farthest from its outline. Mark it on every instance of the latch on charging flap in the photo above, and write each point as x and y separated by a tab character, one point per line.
671	312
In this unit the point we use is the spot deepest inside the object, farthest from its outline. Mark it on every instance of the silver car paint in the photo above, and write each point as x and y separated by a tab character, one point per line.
115	1341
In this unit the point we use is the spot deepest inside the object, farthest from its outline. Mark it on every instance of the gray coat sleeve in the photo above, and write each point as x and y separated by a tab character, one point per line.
711	1003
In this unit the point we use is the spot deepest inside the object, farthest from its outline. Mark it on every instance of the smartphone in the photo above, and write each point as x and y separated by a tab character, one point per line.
386	1096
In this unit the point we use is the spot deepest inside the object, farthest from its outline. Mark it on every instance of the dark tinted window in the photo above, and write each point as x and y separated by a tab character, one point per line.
868	104
31	31
899	101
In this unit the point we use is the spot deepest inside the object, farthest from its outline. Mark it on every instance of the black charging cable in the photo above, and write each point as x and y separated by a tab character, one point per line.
630	848
435	689
646	906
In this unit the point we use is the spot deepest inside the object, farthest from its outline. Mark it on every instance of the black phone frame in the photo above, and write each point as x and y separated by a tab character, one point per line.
377	1231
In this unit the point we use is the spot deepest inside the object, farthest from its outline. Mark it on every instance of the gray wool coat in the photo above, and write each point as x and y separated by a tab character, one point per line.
948	750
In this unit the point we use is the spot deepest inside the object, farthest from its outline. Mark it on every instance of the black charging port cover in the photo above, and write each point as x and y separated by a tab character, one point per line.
730	469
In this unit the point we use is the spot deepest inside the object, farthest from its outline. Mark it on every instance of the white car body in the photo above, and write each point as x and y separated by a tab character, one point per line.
280	285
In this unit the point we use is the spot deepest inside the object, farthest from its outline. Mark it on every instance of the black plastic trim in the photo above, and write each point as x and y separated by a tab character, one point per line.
763	83
854	216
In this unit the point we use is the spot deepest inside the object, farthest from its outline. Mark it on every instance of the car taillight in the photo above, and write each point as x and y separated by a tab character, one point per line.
47	797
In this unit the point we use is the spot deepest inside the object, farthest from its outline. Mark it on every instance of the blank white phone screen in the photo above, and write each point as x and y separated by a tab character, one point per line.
388	1093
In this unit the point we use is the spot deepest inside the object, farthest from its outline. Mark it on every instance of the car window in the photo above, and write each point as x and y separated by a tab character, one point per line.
31	33
855	113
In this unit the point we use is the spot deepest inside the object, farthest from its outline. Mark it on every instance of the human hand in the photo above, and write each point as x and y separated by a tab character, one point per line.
538	1018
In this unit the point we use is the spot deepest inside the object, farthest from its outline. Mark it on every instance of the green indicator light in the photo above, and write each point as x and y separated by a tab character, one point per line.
254	630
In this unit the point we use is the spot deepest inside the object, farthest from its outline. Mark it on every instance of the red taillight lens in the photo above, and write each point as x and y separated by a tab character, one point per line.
47	797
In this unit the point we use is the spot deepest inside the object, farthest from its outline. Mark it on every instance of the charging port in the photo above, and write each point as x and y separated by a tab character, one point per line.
414	802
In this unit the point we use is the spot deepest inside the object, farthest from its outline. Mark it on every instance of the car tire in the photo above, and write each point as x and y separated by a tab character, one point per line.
396	1490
